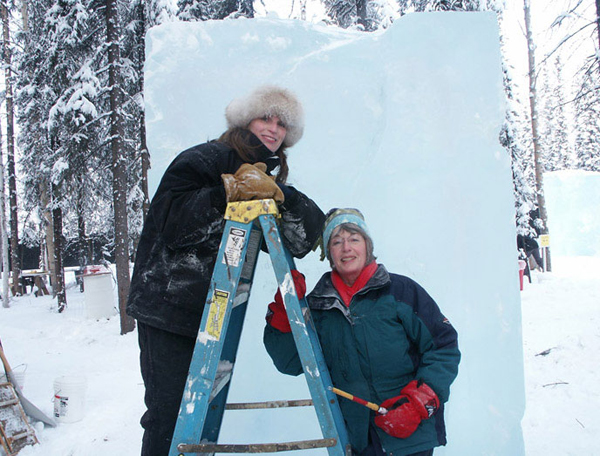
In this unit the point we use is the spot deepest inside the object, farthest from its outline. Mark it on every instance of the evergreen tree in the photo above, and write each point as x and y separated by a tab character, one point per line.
119	164
348	13
73	117
134	140
157	12
514	138
9	80
555	134
33	101
456	5
587	141
3	234
138	17
418	6
204	10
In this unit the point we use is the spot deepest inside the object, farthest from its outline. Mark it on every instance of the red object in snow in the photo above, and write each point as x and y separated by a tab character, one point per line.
95	269
522	266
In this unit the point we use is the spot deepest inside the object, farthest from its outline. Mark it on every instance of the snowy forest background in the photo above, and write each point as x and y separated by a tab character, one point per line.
75	163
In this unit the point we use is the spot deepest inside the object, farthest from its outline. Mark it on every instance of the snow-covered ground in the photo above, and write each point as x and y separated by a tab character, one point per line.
561	345
561	334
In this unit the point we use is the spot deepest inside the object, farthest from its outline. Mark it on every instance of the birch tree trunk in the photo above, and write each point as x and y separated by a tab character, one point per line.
4	236
119	165
537	150
10	149
48	230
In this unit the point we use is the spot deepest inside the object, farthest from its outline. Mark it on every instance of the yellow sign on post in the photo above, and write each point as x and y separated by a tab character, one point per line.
544	240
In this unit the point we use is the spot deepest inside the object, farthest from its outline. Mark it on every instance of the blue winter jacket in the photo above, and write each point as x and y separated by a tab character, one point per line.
392	332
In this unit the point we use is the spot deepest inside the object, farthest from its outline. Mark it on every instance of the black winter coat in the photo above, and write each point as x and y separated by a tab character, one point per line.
182	232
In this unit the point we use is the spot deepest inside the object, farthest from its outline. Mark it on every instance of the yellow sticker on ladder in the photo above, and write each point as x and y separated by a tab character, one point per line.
216	313
544	240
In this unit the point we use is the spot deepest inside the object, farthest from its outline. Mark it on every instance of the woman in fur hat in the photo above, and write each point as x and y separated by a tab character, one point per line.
384	340
181	235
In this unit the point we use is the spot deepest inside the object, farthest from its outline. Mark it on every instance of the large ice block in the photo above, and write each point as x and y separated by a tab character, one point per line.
403	125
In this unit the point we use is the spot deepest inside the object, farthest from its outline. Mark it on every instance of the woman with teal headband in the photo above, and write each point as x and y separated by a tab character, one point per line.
384	340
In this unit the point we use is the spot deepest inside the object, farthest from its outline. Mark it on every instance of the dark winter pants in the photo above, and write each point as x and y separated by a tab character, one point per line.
165	359
374	447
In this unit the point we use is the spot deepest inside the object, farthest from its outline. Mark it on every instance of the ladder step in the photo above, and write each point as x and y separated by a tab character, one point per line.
9	402
269	404
257	447
21	435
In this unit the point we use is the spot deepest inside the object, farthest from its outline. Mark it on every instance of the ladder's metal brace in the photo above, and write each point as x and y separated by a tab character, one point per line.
258	447
270	404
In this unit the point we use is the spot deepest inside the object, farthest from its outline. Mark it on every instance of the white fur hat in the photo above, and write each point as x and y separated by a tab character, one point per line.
268	100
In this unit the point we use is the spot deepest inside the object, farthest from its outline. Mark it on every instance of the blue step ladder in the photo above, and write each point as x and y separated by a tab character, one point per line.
205	395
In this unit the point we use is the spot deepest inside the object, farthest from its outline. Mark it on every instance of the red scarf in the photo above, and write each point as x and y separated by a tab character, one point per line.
346	292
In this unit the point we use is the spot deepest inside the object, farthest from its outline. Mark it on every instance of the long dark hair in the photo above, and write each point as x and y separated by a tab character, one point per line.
239	139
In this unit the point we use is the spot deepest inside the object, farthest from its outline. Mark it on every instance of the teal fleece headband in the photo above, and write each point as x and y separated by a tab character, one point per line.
339	217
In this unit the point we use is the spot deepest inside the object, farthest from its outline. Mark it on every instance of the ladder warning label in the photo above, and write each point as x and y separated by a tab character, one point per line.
216	313
234	247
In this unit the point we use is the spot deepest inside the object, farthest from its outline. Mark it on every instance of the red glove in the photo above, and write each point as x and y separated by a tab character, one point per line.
276	315
416	402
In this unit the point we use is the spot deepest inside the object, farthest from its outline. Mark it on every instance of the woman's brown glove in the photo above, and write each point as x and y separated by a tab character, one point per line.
250	182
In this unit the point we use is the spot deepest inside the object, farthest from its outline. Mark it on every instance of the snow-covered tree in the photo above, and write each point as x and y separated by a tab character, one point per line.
73	126
553	119
138	16
3	235
158	11
134	17
456	5
515	138
409	6
73	103
351	13
203	10
587	141
34	100
119	162
9	81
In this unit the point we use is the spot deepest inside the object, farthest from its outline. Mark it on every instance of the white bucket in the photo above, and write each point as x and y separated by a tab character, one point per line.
99	299
69	395
19	375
